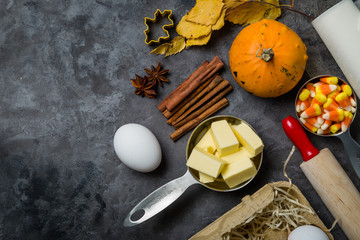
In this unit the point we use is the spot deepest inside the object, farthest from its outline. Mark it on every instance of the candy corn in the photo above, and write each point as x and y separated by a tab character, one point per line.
325	88
304	94
323	132
319	83
335	127
348	116
329	80
313	121
347	89
335	115
312	111
338	88
331	108
343	100
326	124
333	94
319	99
320	120
311	88
330	104
352	101
305	104
298	104
308	125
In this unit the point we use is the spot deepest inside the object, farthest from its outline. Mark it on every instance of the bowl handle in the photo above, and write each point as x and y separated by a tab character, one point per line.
352	149
160	199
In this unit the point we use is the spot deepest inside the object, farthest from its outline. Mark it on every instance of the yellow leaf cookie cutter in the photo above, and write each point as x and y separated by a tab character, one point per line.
165	27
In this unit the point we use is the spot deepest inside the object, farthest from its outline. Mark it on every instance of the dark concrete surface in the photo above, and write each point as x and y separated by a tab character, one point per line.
65	69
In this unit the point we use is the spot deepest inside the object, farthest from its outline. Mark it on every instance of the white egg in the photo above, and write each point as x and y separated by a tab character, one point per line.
308	232
137	147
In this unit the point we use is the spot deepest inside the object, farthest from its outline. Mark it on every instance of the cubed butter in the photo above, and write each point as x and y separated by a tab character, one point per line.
207	143
248	138
238	172
204	178
205	162
239	154
224	138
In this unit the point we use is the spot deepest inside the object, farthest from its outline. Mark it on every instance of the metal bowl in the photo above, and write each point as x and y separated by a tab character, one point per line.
314	80
198	133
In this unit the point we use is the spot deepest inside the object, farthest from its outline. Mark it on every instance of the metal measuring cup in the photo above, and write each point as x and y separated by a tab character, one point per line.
352	148
162	197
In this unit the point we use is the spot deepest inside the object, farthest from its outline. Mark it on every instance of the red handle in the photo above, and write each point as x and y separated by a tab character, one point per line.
297	135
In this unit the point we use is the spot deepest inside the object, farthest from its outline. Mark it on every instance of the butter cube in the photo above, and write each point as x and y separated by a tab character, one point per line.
224	138
207	143
248	138
239	154
238	172
205	162
204	178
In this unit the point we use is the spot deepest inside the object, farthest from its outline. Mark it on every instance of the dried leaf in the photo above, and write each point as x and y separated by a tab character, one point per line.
205	12
220	22
161	49
198	41
272	12
191	30
231	4
176	46
247	12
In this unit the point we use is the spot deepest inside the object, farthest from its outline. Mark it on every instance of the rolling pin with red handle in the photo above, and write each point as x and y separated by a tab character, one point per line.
328	179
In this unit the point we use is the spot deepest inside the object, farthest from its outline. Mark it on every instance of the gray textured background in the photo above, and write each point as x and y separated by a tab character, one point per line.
65	69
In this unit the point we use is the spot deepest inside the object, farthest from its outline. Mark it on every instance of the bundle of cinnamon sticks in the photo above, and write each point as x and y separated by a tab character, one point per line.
198	97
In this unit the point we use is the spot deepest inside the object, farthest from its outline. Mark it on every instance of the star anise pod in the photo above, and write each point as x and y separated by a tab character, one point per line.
144	87
156	74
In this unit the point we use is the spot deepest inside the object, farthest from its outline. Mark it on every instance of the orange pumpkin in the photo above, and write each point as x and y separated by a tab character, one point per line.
267	58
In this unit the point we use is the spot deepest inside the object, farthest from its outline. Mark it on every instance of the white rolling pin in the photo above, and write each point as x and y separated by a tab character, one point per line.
328	179
339	28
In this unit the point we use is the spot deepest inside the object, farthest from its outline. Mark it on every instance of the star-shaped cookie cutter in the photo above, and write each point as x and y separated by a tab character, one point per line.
165	27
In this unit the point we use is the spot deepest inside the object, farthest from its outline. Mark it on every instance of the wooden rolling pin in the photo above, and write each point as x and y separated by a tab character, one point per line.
328	179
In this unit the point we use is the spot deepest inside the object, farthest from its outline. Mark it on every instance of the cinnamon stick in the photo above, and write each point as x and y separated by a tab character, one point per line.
168	114
214	82
207	97
191	124
174	99
184	84
204	107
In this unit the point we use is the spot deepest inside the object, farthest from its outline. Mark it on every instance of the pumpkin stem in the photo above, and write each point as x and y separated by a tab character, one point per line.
266	54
